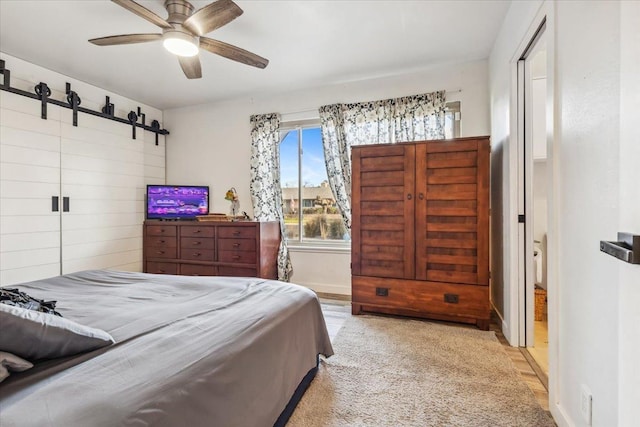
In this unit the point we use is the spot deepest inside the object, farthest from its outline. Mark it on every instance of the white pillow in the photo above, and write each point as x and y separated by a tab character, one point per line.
34	335
13	363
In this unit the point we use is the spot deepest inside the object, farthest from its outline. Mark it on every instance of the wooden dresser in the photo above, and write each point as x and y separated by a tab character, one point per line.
420	229
193	248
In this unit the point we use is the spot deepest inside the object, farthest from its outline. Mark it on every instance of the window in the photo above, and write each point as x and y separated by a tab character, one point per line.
308	204
452	120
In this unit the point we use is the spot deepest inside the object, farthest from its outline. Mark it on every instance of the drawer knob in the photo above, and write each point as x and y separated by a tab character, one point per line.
236	257
160	252
236	245
160	271
236	233
451	298
196	231
197	254
162	241
197	242
382	292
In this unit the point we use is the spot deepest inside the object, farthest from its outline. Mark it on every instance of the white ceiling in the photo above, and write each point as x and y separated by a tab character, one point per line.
308	44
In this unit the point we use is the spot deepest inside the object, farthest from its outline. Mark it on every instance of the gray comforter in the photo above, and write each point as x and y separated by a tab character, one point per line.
190	351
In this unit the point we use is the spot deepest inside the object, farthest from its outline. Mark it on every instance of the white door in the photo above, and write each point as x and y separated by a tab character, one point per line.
103	183
29	181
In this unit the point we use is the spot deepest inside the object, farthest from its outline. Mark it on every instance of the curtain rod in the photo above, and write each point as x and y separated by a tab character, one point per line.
315	110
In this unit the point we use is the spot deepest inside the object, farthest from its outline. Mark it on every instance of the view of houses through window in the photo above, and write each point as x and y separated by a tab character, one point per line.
309	207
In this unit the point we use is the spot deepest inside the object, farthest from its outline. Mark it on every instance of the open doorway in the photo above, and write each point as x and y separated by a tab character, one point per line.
532	201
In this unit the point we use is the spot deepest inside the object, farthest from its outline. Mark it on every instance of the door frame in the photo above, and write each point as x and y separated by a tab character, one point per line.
517	302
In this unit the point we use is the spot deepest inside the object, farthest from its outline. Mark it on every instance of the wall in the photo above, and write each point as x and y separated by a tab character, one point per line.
97	163
218	134
596	194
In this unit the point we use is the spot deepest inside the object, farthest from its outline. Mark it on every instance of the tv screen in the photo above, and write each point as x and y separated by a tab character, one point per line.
177	201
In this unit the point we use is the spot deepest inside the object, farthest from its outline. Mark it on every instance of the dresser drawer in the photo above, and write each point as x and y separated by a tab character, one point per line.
196	231
160	252
237	257
237	232
161	230
161	242
197	270
161	268
237	245
237	272
197	254
431	297
196	243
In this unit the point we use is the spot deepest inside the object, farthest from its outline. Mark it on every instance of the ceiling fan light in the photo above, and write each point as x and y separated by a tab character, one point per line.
180	44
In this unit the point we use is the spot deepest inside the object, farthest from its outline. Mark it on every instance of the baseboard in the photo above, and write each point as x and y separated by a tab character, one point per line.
503	325
560	416
340	291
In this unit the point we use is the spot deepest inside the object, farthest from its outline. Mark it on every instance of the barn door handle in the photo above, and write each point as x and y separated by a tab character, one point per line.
409	196
55	204
65	204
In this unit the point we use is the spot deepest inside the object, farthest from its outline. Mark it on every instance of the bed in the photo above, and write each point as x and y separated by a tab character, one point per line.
190	351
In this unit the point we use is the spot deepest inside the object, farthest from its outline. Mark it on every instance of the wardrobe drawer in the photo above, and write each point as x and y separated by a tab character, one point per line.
236	271
160	252
197	254
161	242
161	268
161	230
237	232
431	297
197	270
237	257
196	231
237	245
196	243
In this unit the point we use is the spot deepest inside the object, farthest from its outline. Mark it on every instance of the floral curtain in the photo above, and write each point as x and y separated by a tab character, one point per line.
266	193
410	118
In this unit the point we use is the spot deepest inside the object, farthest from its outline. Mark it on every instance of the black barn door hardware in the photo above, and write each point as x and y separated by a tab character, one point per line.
65	204
42	93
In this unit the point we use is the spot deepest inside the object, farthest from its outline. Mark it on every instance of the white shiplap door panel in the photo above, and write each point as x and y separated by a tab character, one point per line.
28	173
71	221
23	259
29	178
83	163
11	154
103	261
84	141
30	223
97	192
153	172
28	122
28	190
89	123
29	241
14	137
154	160
99	179
74	237
27	274
106	206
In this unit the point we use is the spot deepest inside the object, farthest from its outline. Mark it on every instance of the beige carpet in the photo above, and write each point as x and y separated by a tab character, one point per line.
397	372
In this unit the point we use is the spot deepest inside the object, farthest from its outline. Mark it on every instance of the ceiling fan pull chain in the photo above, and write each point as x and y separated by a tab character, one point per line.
133	118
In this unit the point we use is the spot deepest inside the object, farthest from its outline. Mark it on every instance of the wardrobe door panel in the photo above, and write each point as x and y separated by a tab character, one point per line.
383	211
450	230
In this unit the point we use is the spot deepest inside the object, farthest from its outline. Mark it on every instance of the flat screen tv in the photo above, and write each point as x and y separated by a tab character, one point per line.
177	201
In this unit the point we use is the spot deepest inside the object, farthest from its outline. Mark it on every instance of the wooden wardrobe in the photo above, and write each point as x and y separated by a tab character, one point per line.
420	229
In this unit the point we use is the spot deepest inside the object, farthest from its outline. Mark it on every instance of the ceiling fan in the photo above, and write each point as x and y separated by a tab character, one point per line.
183	33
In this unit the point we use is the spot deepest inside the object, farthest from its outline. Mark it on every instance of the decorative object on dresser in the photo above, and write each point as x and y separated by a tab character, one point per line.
420	231
212	248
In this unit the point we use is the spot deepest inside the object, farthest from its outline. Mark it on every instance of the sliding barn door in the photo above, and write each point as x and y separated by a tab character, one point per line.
29	191
452	211
383	211
103	177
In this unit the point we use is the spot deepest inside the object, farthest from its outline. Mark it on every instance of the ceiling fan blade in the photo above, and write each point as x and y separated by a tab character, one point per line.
143	12
232	52
191	66
212	16
126	39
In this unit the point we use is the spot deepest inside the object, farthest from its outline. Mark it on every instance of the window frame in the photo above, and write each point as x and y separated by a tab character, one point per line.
300	244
